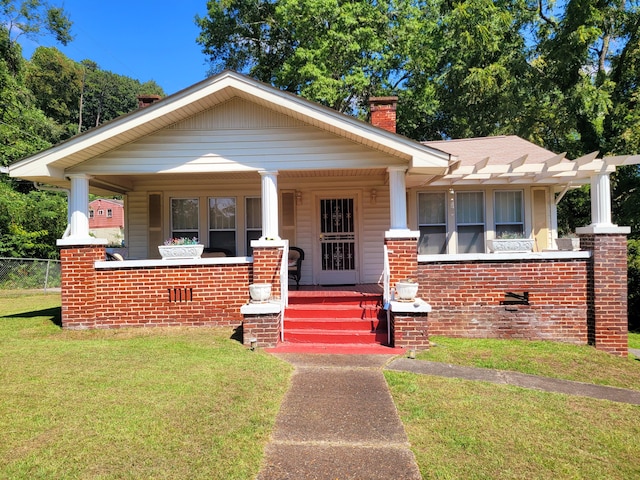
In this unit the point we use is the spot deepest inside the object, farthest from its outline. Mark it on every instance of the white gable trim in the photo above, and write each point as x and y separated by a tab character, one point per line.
206	94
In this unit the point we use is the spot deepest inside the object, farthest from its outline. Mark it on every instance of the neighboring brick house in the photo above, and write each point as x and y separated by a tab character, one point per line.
106	220
249	169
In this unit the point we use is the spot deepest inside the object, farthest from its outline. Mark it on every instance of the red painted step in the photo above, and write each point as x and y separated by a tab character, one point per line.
335	318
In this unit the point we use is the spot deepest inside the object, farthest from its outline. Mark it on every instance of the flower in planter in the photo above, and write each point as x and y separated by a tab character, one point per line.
181	241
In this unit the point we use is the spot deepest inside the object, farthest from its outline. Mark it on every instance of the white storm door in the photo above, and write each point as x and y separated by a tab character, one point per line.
337	239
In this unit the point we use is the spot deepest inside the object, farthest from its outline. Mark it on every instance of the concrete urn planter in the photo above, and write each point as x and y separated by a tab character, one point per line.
260	292
180	252
406	291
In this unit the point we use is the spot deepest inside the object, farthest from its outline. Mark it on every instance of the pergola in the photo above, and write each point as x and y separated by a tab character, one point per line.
510	160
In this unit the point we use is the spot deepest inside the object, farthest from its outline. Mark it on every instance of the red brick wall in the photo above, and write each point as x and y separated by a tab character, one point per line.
410	331
608	292
79	285
465	299
195	295
403	259
154	296
267	262
264	328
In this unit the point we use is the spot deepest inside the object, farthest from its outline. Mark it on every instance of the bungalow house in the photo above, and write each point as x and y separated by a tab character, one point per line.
251	170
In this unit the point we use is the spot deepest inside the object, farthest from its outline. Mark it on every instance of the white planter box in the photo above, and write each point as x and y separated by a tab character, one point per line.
568	243
510	245
176	252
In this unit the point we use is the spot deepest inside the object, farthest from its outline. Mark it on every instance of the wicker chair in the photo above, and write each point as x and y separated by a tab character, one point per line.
296	256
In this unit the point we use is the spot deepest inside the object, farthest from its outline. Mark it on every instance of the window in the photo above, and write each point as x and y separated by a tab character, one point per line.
184	217
432	222
253	223
109	213
508	213
100	212
90	213
222	223
470	222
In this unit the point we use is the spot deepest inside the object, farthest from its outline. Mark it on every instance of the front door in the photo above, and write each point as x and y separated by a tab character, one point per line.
337	241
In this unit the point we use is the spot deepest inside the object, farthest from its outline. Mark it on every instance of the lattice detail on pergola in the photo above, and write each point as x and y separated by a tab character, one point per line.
467	168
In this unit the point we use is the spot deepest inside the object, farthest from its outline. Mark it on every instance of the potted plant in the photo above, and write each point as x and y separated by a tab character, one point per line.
512	242
406	290
181	248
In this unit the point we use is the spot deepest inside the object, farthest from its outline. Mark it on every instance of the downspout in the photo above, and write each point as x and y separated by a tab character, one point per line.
67	192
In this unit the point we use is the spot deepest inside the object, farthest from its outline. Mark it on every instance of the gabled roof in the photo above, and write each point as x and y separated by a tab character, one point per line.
511	160
50	165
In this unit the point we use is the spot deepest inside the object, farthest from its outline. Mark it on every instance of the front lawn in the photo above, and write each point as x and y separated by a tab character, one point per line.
477	430
168	403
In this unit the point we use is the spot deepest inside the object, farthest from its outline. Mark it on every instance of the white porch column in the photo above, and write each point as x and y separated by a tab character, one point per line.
398	198
269	205
78	205
601	200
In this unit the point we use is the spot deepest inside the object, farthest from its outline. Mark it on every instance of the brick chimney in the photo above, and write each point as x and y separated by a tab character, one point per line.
383	112
146	100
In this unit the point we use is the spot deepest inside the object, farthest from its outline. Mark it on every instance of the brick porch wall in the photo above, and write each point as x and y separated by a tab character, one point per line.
403	259
188	295
465	298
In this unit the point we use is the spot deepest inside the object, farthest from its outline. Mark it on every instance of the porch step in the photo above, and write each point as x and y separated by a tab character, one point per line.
335	318
336	349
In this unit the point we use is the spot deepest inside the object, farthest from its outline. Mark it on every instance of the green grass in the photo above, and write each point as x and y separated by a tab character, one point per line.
634	340
135	403
571	362
475	430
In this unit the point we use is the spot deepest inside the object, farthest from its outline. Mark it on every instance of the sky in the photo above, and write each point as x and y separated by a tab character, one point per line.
142	39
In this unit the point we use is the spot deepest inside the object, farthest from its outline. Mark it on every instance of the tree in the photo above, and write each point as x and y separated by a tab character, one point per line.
56	83
34	18
334	52
24	129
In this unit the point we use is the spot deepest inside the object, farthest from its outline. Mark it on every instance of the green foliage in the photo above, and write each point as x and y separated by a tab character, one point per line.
334	52
31	223
34	18
633	282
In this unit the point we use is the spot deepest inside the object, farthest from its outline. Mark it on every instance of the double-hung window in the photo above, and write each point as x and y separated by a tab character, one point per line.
222	223
470	222
253	220
508	213
184	217
432	222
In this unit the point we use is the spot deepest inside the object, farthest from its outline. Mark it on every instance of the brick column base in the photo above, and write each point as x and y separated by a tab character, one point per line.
79	285
409	330
607	323
403	259
263	328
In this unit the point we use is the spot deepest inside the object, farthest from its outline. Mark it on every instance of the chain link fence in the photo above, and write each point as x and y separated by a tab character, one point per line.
29	274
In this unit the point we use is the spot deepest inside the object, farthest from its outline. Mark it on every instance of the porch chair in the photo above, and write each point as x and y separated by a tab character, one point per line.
296	256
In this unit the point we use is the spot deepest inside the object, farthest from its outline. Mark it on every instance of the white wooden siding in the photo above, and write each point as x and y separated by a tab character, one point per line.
237	136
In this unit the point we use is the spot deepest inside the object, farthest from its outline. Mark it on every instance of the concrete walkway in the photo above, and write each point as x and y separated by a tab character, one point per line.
518	379
338	421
